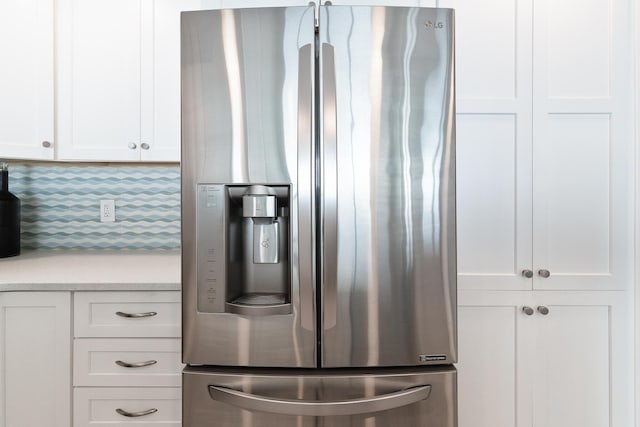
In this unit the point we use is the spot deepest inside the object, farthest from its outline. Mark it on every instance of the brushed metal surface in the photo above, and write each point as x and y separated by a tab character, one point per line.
241	97
300	390
388	196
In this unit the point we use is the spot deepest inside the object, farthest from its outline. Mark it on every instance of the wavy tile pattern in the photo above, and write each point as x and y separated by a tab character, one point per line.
61	206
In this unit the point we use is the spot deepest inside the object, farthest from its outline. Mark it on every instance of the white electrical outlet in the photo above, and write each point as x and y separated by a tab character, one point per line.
107	210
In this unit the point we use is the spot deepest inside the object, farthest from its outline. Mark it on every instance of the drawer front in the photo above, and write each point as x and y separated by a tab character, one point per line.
127	362
127	314
99	407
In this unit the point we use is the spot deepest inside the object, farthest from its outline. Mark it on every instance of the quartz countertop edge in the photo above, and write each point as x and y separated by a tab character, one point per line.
91	271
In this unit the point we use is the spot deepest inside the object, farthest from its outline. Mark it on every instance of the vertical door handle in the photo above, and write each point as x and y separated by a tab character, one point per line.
329	185
306	185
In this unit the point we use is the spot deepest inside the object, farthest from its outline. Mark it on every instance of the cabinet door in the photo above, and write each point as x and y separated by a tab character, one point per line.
582	360
99	66
493	137
494	383
26	79
583	144
35	359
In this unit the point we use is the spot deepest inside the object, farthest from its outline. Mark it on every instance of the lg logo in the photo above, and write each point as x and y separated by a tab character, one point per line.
434	25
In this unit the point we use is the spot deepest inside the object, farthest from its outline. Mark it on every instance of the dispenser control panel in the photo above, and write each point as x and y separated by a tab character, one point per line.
211	242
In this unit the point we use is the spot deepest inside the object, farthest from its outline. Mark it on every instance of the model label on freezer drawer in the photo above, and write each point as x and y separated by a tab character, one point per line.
431	357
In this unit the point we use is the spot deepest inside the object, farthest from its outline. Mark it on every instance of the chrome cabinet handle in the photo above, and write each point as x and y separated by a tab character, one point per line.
144	146
543	310
136	315
527	310
544	273
132	145
320	408
135	365
136	414
46	144
527	273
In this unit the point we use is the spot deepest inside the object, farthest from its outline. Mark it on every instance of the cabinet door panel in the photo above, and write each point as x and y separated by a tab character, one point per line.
575	213
35	359
583	145
99	79
493	210
493	381
577	38
572	381
493	153
26	79
582	360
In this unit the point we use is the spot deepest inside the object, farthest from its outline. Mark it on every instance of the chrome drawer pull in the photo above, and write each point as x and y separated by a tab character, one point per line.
136	315
136	414
135	365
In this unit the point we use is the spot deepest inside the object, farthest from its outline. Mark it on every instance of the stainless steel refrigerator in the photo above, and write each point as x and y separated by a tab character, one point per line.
318	217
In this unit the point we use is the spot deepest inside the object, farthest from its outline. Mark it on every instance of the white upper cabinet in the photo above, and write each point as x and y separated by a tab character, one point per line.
26	79
545	144
110	107
99	80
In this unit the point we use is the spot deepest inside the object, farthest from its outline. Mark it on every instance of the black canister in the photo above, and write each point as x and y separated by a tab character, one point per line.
9	217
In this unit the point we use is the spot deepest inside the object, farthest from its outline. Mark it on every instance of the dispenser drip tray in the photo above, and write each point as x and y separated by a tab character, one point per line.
260	304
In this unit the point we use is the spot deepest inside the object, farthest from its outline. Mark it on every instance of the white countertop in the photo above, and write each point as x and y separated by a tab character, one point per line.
72	271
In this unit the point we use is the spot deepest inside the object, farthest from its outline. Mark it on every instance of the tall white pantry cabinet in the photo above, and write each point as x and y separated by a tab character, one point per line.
545	163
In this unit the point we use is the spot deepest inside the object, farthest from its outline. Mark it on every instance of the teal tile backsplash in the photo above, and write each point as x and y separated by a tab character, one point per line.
61	206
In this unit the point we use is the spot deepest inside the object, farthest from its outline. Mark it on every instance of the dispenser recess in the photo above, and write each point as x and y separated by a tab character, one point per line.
243	245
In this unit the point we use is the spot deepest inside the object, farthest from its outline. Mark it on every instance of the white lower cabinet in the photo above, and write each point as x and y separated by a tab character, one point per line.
35	359
544	359
127	362
127	407
108	362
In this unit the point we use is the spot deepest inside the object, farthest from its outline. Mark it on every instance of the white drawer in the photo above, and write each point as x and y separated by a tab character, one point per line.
127	362
127	314
98	407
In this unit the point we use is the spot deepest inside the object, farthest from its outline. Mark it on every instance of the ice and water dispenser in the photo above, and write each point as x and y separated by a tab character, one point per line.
243	249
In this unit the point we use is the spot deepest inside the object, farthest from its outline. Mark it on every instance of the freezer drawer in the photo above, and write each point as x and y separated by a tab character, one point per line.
223	397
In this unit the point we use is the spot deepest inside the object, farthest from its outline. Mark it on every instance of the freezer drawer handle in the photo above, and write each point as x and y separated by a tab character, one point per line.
319	408
136	315
136	414
135	365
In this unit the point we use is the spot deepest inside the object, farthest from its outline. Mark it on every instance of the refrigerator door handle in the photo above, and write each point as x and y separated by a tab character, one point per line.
329	187
305	185
319	408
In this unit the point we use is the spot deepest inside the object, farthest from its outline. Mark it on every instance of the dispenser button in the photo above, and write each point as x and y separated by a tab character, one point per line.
265	243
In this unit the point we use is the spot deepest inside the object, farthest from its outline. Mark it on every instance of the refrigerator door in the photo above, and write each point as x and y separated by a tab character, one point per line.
248	276
388	258
423	397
